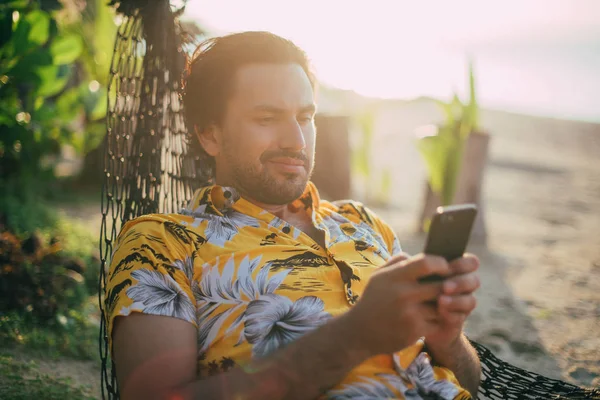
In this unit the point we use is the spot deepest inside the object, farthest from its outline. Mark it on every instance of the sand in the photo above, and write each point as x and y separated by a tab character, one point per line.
539	303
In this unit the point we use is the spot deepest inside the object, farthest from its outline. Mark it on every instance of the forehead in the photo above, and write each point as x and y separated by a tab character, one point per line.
284	86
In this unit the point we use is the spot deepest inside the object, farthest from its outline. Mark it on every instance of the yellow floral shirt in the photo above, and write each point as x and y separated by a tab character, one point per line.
252	283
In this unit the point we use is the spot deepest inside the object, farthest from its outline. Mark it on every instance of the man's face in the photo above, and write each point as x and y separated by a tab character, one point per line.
266	139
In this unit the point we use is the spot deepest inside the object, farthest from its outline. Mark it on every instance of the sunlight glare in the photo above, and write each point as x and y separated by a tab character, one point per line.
406	49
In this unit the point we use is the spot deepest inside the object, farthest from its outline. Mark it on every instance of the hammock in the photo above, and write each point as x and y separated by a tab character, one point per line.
148	169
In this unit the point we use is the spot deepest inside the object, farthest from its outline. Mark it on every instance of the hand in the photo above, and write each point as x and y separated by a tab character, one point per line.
455	303
396	309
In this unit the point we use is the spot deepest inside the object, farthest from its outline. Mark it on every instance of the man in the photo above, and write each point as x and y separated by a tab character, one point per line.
260	289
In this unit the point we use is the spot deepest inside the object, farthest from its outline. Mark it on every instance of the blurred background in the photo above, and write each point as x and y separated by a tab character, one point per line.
425	104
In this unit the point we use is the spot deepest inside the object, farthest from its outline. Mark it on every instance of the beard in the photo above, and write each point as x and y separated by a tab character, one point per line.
258	182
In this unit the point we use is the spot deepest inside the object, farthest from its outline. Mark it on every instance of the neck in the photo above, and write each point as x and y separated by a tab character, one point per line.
279	210
282	211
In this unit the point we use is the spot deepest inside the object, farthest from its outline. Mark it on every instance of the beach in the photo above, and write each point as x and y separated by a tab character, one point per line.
539	303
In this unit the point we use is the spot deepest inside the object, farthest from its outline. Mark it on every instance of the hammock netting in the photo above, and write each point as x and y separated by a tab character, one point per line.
148	169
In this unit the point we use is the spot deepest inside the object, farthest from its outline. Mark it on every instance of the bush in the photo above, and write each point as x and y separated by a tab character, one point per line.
74	334
52	89
48	280
54	58
36	278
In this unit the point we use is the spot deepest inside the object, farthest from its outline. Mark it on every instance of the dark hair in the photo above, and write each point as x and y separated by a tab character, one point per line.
209	78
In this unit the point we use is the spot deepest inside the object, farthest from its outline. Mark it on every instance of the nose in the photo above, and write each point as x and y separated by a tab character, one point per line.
292	137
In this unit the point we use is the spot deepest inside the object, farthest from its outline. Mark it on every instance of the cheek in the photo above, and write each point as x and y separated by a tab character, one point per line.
249	141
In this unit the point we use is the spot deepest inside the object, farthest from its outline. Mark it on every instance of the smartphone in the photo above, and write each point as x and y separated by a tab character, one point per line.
449	232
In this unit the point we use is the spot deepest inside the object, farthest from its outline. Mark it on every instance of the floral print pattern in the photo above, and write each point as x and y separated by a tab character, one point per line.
252	283
416	383
219	295
160	295
273	321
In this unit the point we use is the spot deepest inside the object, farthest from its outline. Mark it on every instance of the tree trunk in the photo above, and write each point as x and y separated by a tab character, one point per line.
332	165
469	185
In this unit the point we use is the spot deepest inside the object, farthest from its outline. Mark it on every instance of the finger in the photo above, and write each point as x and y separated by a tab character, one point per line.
397	259
427	311
462	284
465	264
465	304
456	319
423	265
424	292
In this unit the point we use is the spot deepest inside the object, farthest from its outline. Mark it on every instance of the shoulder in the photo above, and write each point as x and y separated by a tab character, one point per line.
152	269
163	230
358	213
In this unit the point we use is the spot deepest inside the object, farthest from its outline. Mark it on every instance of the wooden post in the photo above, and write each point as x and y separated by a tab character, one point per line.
469	185
332	164
470	180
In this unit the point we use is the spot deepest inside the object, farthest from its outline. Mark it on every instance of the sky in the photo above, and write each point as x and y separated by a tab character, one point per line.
532	56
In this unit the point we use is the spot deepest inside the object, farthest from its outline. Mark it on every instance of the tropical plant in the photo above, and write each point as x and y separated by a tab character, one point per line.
442	147
361	159
377	189
51	88
54	56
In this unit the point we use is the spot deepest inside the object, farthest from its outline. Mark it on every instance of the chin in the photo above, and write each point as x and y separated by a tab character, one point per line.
272	187
282	190
289	190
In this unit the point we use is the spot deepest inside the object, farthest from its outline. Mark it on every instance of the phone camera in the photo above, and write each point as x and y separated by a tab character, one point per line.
447	218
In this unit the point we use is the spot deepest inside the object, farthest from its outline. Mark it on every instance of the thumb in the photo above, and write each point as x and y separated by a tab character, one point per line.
395	260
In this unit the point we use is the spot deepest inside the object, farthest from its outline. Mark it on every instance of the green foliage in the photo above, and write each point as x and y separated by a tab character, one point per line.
362	154
27	214
378	188
67	273
22	381
22	211
54	62
53	72
442	150
67	335
50	272
472	113
442	153
40	279
385	188
66	49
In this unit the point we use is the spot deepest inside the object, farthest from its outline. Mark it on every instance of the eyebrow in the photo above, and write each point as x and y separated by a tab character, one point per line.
310	108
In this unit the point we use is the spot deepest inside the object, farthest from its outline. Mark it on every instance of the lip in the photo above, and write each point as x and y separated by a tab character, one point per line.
292	165
287	161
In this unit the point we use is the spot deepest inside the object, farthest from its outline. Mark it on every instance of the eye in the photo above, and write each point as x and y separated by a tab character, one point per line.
305	119
266	120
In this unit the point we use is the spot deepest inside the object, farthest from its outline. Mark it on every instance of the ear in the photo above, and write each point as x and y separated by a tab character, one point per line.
210	139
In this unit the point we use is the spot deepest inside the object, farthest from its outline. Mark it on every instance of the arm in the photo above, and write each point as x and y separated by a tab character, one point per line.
155	356
461	358
302	370
155	349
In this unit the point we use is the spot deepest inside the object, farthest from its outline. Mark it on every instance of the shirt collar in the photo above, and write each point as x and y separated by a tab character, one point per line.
219	200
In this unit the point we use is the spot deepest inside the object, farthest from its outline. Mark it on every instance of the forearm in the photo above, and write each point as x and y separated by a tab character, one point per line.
461	358
302	370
